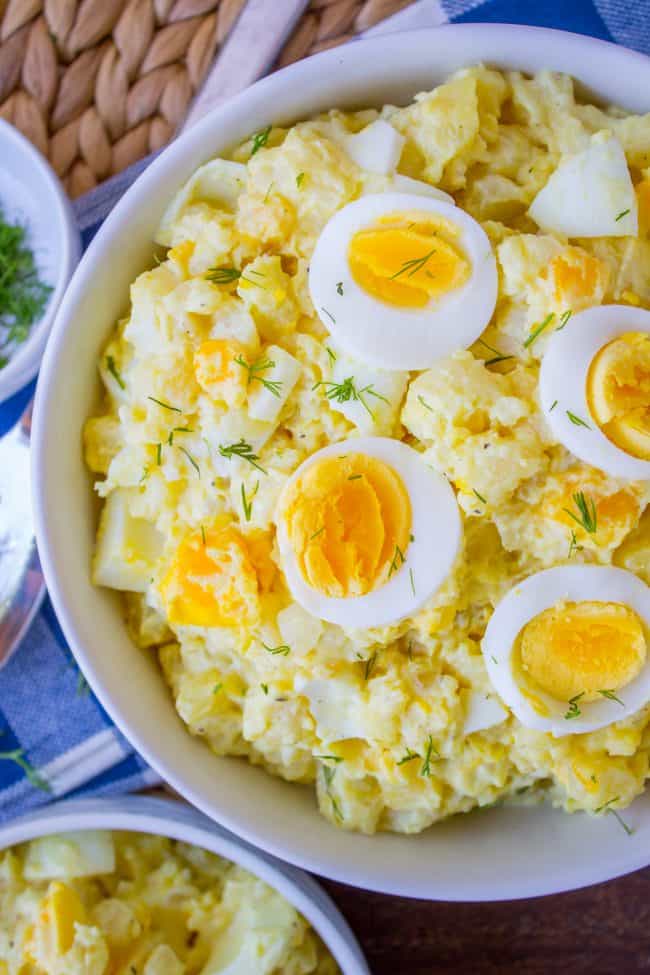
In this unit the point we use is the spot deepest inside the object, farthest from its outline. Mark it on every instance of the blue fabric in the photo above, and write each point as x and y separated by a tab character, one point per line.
53	732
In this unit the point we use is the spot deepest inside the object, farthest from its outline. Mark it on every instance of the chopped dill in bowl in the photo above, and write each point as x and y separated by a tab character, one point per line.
23	296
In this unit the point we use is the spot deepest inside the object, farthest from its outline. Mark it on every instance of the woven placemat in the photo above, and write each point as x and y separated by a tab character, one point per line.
97	84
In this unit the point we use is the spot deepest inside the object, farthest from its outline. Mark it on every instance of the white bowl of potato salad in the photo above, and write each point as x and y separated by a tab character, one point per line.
369	450
145	886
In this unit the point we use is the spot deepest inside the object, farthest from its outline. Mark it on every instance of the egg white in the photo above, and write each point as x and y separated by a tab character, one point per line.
572	583
436	528
563	382
400	338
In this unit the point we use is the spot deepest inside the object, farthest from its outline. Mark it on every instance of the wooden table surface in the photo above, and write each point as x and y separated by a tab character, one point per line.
602	930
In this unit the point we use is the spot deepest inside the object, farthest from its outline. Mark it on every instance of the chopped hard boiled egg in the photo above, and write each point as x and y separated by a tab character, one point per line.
401	280
376	148
368	397
127	547
595	388
567	649
590	194
219	182
367	532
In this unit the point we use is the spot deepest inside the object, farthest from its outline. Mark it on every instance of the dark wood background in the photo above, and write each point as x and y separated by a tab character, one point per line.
602	930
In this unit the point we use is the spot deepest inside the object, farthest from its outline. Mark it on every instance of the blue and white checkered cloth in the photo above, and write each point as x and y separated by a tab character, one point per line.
52	729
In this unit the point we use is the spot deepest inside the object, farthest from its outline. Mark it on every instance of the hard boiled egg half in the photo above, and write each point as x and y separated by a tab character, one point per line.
367	532
594	388
401	280
567	649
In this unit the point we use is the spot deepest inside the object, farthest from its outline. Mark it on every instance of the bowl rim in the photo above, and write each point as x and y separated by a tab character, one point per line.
24	363
535	43
175	819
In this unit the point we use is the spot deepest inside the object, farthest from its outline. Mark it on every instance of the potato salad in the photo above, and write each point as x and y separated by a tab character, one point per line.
374	453
101	903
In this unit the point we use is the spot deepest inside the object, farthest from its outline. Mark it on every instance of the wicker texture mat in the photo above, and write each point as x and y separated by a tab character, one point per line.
97	84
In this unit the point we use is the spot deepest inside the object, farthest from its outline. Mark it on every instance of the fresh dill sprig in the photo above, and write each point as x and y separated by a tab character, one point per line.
217	688
170	438
552	406
398	554
300	179
412	581
112	368
424	403
165	406
283	650
576	420
430	752
328	776
607	808
223	275
244	451
574	711
611	696
339	287
247	503
409	268
329	315
573	545
331	354
190	459
259	139
408	757
329	758
622	214
265	688
564	318
587	516
479	496
538	329
255	368
159	454
347	391
23	296
370	666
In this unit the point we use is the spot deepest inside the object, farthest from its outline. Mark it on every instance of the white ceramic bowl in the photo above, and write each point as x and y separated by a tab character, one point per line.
503	853
165	817
31	193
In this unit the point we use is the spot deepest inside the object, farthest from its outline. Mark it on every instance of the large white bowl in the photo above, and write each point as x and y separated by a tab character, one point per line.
503	853
164	817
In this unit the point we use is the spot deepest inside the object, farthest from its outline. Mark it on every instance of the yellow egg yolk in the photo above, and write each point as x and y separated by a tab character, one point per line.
578	279
618	392
212	580
218	372
60	911
406	259
348	521
596	511
583	648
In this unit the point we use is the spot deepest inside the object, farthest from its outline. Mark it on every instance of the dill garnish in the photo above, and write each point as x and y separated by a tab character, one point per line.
577	421
329	758
112	368
283	650
331	354
409	268
23	295
300	178
622	214
243	450
190	458
260	139
538	329
346	391
424	403
564	318
397	555
479	496
339	287
159	454
247	503
265	688
408	757
370	666
328	776
607	808
587	514
223	275
165	406
217	688
170	438
431	751
574	711
255	368
329	314
611	696
552	406
573	545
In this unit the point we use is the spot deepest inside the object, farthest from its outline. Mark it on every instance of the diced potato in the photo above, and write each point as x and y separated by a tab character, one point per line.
127	547
299	629
102	442
269	388
68	855
218	182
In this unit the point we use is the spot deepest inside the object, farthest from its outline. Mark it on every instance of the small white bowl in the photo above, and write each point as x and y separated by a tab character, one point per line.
167	817
31	194
500	854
